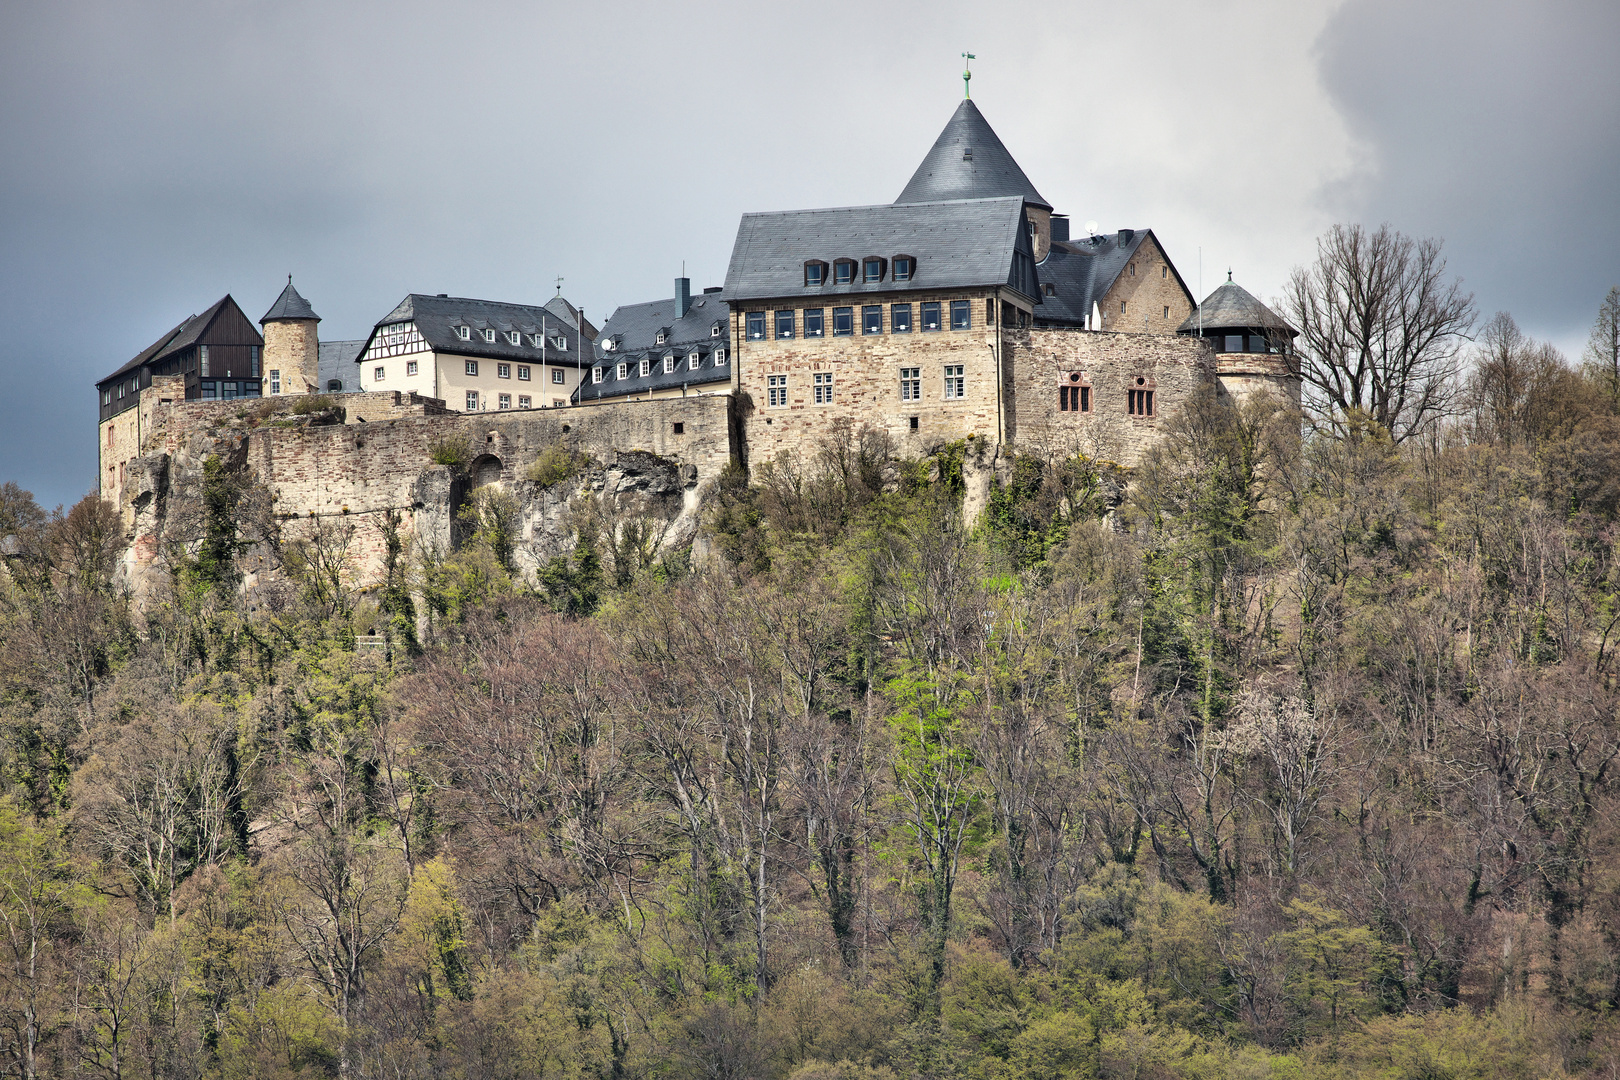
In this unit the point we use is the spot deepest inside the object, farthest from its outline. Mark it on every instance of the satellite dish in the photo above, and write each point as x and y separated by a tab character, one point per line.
1091	228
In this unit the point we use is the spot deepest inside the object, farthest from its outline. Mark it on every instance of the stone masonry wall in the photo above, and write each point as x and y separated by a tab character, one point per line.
1110	363
290	347
866	379
347	469
1146	294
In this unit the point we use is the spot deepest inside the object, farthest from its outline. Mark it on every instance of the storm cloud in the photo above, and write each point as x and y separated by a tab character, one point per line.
156	157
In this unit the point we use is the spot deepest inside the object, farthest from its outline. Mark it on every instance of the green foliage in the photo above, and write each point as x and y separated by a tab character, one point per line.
453	450
555	464
308	404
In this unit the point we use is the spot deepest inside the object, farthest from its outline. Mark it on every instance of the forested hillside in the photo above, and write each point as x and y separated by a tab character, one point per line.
1285	756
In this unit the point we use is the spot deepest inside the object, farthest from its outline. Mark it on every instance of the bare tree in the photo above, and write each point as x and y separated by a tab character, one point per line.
1602	355
1380	329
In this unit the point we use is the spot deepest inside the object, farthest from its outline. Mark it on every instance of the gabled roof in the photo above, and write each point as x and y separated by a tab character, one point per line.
968	161
182	336
438	317
1232	307
633	330
958	244
1082	271
289	305
568	313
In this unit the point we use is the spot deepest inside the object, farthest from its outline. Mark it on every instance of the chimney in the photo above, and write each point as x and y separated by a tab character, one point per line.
683	296
1126	236
1060	227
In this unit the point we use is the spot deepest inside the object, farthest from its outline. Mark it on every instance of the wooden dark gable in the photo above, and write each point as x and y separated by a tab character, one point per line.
218	353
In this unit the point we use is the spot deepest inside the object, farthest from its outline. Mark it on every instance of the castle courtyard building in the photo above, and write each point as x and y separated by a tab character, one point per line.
666	348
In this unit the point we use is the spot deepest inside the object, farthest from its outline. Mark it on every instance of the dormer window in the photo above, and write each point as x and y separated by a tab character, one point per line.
871	270
844	272
514	338
624	371
904	267
719	358
693	359
669	364
596	374
464	333
609	344
560	342
537	340
815	273
714	330
489	336
646	366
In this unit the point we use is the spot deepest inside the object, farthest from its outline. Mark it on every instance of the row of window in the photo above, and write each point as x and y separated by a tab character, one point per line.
227	389
953	386
559	376
870	270
504	401
669	365
513	337
812	322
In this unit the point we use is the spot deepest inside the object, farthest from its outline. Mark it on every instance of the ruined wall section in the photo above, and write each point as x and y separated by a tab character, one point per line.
346	470
1110	364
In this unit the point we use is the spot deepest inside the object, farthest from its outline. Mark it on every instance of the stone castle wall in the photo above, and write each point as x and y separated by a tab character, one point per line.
291	347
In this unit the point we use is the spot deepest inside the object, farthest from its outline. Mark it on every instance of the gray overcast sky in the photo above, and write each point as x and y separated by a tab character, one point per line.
154	156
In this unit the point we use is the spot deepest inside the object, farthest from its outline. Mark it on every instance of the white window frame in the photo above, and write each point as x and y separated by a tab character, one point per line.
559	377
596	374
275	381
776	391
719	358
410	367
955	382
524	402
823	386
489	336
503	401
503	371
378	373
514	338
694	360
911	384
464	333
470	368
624	369
472	401
646	366
669	364
523	373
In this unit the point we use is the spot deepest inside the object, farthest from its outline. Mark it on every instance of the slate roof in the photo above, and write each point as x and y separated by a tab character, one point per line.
289	305
968	161
633	330
957	244
336	361
568	313
179	338
1080	272
437	319
1232	307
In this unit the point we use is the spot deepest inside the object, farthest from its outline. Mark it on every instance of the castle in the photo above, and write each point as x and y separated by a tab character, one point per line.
965	308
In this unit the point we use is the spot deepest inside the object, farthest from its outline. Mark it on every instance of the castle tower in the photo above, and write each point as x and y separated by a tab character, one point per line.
968	161
1253	345
292	350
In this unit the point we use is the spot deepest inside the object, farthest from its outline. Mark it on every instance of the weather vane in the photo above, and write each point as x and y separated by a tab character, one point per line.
559	284
967	74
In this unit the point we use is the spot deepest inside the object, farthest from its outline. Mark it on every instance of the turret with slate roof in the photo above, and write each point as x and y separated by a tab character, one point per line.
292	350
1234	321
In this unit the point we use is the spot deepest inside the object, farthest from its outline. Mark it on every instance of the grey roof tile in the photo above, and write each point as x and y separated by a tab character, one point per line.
336	362
957	244
968	161
633	330
1080	272
437	318
180	337
289	305
1232	307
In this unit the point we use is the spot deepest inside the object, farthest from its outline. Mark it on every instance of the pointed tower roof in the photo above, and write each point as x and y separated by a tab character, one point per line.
289	305
1232	307
968	162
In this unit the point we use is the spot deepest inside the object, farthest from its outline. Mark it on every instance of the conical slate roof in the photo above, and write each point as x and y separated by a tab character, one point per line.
289	305
968	162
1233	307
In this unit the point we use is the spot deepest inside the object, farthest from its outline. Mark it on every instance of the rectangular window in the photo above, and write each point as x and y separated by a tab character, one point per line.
1164	272
669	364
472	367
815	273
776	388
955	382
824	387
719	358
1139	402
872	270
930	315
693	362
596	374
843	273
872	319
646	366
1122	307
843	321
558	376
209	391
229	391
514	338
1234	342
202	354
756	326
253	360
523	401
377	374
410	367
1074	399
784	324
464	333
523	373
899	318
106	399
1167	311
813	325
624	371
910	384
472	401
961	315
503	371
902	268
504	401
275	380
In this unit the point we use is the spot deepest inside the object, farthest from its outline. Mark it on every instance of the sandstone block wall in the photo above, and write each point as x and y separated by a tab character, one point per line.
1110	363
865	370
291	347
1146	294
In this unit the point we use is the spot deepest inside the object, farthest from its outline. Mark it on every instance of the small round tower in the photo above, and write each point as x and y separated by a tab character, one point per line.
1253	345
292	349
